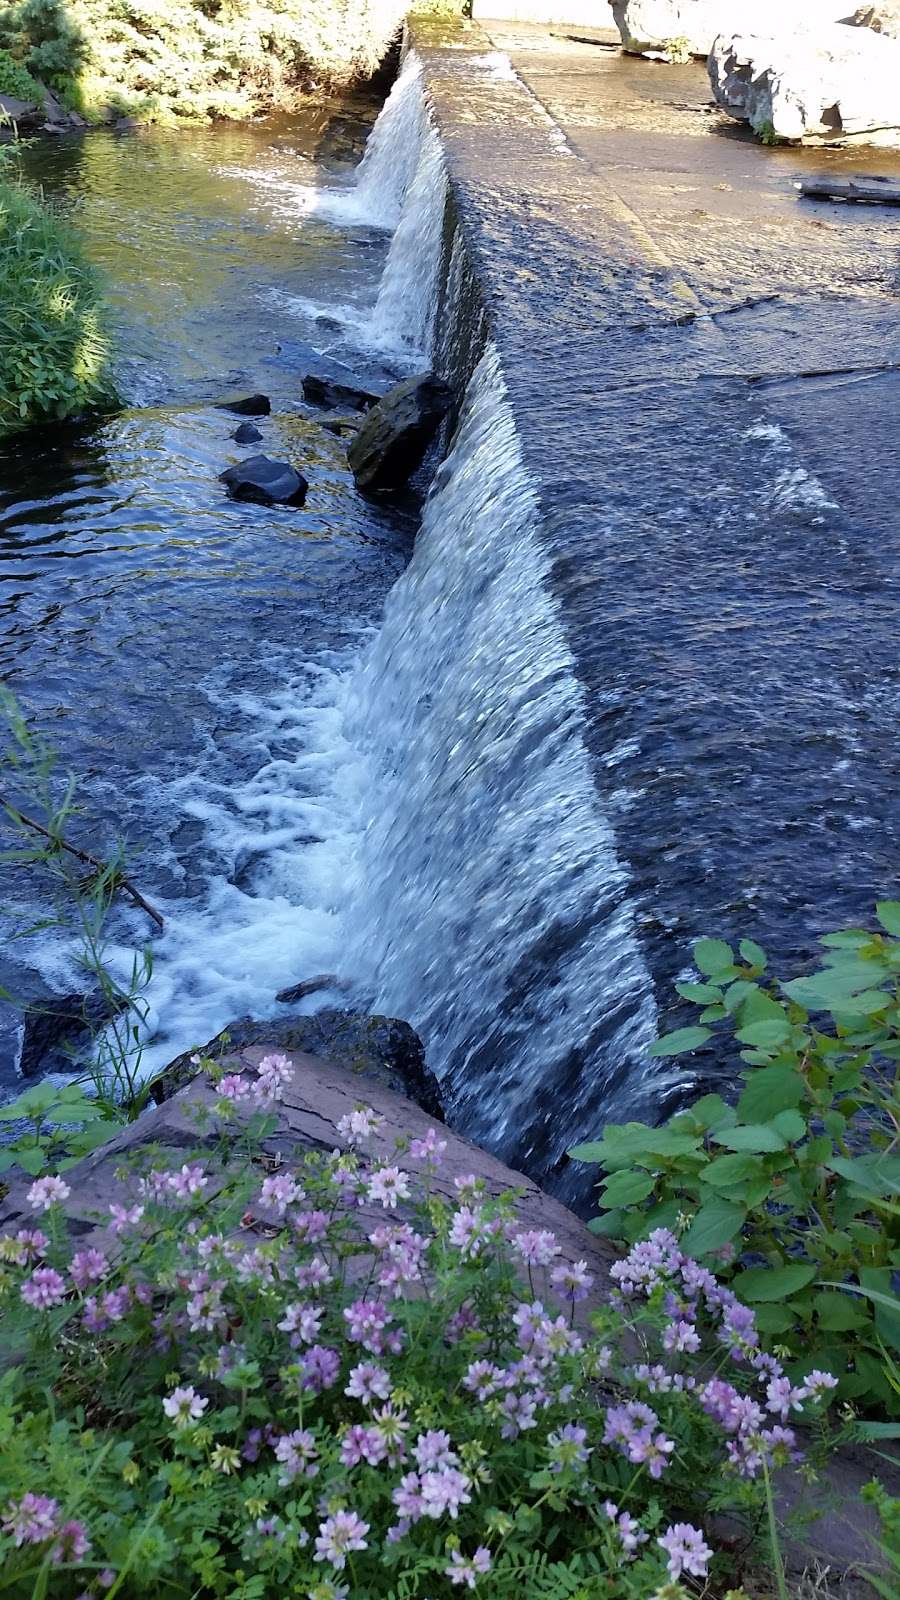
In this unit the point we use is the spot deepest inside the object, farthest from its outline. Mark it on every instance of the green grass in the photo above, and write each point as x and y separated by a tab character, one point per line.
54	351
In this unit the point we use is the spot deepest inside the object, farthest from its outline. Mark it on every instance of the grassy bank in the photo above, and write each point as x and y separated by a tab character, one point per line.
172	59
53	349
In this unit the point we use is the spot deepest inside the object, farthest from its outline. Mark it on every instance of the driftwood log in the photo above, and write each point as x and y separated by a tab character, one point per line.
864	190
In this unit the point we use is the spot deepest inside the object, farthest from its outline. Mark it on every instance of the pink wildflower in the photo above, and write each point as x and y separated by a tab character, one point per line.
44	1289
31	1520
686	1549
462	1571
47	1192
88	1266
338	1536
388	1184
360	1125
184	1406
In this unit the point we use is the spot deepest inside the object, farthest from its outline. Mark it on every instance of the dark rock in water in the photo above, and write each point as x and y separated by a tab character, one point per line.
319	391
394	437
381	1049
59	1029
299	991
247	433
265	482
253	405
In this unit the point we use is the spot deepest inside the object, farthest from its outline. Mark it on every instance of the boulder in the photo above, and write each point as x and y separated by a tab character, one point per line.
265	482
319	391
391	444
59	1030
247	433
299	991
252	405
882	18
382	1050
680	29
21	112
831	83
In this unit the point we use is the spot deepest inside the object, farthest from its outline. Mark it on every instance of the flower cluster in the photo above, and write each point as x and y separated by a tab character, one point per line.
337	1379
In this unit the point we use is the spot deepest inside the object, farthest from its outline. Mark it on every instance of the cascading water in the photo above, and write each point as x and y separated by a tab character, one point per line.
408	295
495	912
392	153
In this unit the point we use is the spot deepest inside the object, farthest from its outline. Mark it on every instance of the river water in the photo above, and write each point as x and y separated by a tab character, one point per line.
176	648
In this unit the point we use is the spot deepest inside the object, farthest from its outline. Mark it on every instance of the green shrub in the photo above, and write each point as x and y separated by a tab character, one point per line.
799	1181
171	59
16	80
247	1386
53	349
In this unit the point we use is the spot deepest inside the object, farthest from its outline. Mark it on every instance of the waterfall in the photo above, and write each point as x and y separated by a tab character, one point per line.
495	913
392	151
408	294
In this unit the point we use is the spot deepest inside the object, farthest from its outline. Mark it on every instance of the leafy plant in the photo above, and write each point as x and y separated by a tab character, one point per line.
678	51
53	349
249	1385
799	1182
17	81
63	1123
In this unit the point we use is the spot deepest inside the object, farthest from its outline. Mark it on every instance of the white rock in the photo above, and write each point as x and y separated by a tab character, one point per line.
655	26
823	84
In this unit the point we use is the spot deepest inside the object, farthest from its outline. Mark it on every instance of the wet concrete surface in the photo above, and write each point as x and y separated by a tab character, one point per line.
704	372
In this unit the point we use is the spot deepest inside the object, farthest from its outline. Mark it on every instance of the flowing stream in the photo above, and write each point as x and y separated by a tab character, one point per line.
306	784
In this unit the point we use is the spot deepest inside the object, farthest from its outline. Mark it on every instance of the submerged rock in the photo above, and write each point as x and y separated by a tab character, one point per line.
59	1029
381	1049
820	86
391	444
319	391
338	422
684	28
252	405
246	434
265	482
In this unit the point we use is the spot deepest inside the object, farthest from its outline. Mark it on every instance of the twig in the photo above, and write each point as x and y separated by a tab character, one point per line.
86	857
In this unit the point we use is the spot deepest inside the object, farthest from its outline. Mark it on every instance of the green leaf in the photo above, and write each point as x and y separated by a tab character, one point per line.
715	1224
774	1319
703	993
31	1158
627	1188
769	1090
876	1430
712	956
888	914
838	1313
593	1151
753	953
728	1170
791	1125
608	1227
679	1042
758	1136
772	1283
765	1035
877	1174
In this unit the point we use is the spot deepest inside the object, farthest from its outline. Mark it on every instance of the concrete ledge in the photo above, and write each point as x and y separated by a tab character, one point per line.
587	13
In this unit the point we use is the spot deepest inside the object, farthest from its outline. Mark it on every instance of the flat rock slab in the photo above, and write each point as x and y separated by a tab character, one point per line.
318	391
318	1096
682	28
265	482
822	85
